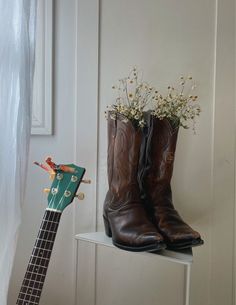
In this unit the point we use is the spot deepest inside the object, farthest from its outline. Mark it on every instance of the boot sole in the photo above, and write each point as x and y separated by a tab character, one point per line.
147	248
185	245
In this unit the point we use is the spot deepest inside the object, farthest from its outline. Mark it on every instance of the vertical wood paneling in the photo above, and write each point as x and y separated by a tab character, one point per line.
223	202
86	122
234	253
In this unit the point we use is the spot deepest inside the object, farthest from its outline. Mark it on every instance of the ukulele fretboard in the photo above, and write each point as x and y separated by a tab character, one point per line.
37	268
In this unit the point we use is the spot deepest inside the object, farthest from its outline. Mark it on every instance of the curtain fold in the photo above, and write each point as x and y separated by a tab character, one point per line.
17	48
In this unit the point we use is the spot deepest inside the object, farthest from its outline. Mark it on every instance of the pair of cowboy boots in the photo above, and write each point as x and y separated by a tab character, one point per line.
138	211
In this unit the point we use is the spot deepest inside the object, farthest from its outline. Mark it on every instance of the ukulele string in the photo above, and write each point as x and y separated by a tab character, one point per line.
43	255
40	253
30	289
52	201
42	249
63	198
52	222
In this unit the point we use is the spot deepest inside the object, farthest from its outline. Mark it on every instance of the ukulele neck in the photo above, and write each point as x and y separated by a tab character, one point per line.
32	285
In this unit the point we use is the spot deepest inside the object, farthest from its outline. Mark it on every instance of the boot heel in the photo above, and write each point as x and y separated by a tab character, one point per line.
107	227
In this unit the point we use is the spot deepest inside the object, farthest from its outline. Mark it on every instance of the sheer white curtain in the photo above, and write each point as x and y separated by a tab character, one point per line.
17	44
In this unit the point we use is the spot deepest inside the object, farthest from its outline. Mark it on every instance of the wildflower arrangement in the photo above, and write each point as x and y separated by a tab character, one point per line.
133	95
180	107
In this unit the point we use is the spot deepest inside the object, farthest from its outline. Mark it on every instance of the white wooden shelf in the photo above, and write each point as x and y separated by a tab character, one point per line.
184	257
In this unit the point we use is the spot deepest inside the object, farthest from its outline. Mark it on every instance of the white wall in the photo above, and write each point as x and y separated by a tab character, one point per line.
166	39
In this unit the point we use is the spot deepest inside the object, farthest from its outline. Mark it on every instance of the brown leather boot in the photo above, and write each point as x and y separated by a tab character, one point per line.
125	217
156	168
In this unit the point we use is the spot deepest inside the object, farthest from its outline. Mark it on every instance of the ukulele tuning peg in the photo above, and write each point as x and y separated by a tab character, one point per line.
80	196
46	190
52	176
49	170
87	181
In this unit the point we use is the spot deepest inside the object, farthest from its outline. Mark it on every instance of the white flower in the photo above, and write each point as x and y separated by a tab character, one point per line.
133	96
179	108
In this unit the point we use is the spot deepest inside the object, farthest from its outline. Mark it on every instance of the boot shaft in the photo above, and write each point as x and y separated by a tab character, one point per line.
124	141
161	146
157	160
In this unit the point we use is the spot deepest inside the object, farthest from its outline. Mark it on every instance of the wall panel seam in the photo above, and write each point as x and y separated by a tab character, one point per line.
75	243
234	237
97	165
212	145
92	36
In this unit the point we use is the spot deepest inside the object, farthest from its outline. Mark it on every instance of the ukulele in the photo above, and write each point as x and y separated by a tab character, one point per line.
66	181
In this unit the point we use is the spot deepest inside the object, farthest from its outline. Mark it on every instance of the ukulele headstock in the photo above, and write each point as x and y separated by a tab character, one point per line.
66	181
64	187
